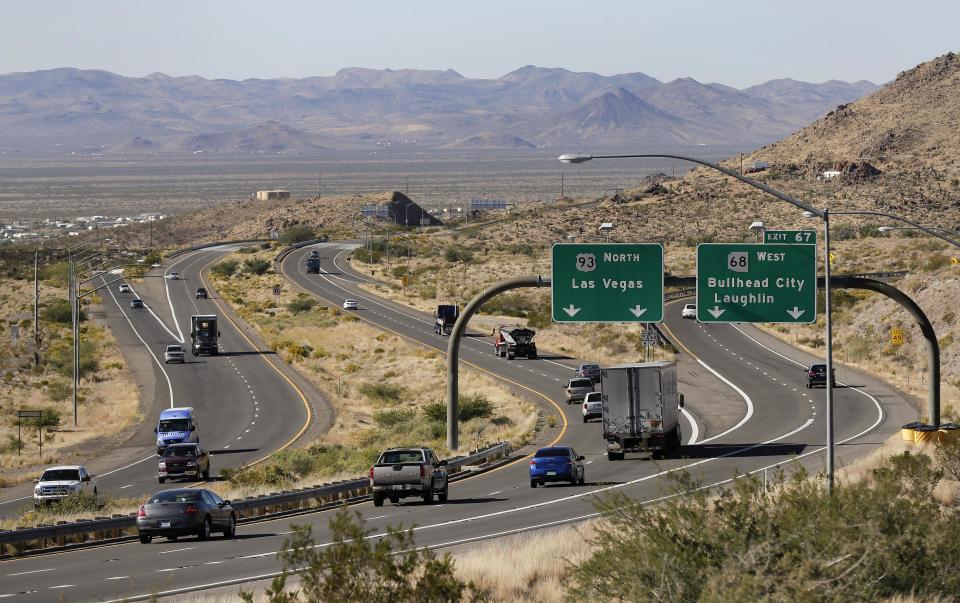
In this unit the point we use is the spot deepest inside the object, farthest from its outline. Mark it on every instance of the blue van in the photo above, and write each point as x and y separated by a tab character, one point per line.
176	425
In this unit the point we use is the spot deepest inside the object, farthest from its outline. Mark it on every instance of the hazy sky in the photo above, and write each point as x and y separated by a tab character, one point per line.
736	43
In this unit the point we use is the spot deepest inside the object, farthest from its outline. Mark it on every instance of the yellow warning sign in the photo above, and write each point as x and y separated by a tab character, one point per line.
896	336
955	261
832	258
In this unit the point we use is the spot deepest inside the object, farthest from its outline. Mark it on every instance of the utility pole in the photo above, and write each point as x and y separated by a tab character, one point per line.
561	186
741	163
36	308
406	185
319	184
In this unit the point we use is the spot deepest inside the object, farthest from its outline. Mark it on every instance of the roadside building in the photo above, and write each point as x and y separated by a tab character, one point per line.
272	195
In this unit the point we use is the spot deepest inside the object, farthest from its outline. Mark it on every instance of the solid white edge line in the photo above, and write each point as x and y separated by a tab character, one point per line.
695	430
137	333
746	417
173	313
152	313
798	363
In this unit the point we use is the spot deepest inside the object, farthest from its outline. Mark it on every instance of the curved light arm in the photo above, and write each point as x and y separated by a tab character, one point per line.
575	158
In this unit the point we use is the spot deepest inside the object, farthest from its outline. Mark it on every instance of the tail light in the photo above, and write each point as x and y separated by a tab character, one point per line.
190	510
142	512
533	463
423	471
371	471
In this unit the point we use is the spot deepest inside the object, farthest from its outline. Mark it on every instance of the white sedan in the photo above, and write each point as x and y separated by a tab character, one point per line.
689	311
350	304
124	288
174	276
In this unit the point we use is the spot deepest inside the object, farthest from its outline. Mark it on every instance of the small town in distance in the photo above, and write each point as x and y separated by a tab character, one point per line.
473	318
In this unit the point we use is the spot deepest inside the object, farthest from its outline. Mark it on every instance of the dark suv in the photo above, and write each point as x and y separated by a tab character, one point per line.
201	293
817	375
183	460
589	371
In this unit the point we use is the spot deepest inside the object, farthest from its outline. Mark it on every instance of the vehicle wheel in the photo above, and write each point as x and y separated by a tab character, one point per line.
377	500
161	479
206	473
583	477
532	356
145	538
442	497
585	420
511	356
533	483
428	495
95	492
614	456
808	385
574	480
204	532
231	530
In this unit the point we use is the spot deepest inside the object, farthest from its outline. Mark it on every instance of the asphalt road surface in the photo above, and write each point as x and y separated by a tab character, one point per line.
246	407
749	411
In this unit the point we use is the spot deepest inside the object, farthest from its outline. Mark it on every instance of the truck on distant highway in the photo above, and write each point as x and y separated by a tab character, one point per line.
641	408
513	340
204	333
405	472
444	318
313	264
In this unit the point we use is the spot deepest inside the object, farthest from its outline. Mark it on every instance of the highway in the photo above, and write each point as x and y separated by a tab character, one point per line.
749	411
246	407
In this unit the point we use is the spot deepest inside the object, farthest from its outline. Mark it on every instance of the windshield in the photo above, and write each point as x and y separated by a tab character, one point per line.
401	456
173	425
552	452
593	397
175	496
58	475
581	383
180	451
818	368
174	348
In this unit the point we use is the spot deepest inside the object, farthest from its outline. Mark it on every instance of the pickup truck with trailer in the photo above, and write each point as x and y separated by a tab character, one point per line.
445	317
641	408
407	472
204	334
313	264
511	341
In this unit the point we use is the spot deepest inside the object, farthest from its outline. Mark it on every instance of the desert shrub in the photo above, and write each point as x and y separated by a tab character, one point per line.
470	406
59	390
299	351
388	419
356	567
297	234
301	303
475	406
248	250
382	392
398	271
435	411
878	539
501	420
60	357
59	311
843	232
256	266
225	268
936	261
457	254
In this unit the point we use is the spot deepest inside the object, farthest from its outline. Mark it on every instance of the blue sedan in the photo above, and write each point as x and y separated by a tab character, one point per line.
556	464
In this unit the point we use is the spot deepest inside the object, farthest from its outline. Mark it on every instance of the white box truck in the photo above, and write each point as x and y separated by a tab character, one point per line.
641	408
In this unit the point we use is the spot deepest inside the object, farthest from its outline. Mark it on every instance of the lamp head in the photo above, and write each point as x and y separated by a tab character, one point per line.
809	214
885	228
574	158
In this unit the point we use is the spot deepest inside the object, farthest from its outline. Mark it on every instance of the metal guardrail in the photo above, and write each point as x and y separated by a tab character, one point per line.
877	275
291	248
174	254
671	295
23	541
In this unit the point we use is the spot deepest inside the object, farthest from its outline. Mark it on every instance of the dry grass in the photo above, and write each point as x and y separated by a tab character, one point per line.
109	399
344	357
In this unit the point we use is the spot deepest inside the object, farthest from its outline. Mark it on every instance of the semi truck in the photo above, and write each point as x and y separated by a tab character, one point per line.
313	264
444	318
641	409
513	340
204	334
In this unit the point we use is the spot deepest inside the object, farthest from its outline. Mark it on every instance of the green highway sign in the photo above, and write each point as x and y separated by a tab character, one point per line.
795	237
607	282
746	282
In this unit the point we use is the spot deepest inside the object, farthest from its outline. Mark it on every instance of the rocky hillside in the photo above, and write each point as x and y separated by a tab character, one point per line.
907	127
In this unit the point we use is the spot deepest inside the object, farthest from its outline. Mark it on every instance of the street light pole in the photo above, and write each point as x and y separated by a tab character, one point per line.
829	342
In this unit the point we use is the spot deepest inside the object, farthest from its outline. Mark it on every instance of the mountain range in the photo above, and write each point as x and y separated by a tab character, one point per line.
70	109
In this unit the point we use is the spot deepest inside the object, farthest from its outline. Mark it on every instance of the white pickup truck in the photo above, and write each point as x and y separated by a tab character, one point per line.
57	483
406	472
